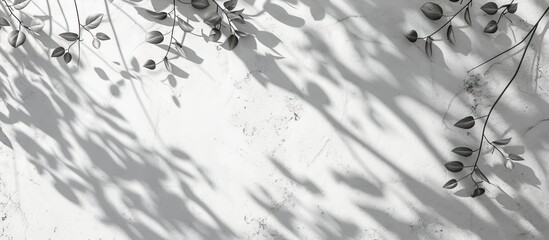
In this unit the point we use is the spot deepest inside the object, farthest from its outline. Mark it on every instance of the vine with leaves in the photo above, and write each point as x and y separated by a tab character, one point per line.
434	12
216	20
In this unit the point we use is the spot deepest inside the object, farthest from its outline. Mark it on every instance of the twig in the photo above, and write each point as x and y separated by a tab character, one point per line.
534	28
449	20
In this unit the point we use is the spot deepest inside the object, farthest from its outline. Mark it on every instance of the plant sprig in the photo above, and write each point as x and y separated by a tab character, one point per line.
17	37
469	122
213	19
92	22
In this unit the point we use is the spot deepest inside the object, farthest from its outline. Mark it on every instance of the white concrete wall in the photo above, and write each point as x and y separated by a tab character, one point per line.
327	124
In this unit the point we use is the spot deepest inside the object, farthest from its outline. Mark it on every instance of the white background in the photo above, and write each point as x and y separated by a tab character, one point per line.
326	123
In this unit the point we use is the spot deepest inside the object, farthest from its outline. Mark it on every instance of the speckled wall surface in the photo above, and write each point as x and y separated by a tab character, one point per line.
325	124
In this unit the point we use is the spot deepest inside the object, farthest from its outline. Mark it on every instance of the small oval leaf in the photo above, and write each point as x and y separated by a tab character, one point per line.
466	122
16	38
215	35
20	4
491	27
96	43
4	22
411	36
432	10
502	141
232	41
167	64
58	52
101	36
150	64
230	5
429	47
154	37
477	192
67	57
490	8
481	175
200	4
186	27
450	184
69	36
467	16
36	25
454	166
512	8
157	15
93	21
463	151
515	157
213	20
450	34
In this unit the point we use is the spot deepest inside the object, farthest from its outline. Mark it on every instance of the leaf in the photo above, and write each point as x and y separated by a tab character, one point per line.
96	43
16	38
215	35
93	21
454	166
232	41
481	175
154	37
463	151
509	164
20	4
466	122
490	8
36	25
213	20
502	141
432	10
467	16
180	49
477	192
58	52
150	64
186	27
515	157
429	47
4	22
200	4
69	36
101	36
450	184
157	15
512	8
67	57
491	27
411	36
167	64
240	33
450	34
230	5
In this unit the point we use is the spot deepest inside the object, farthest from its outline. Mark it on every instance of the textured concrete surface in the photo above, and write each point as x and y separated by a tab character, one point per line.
326	124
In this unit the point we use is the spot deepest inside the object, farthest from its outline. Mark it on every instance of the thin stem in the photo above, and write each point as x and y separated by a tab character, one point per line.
512	47
496	148
449	20
171	34
504	10
84	27
14	16
227	15
507	86
79	31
